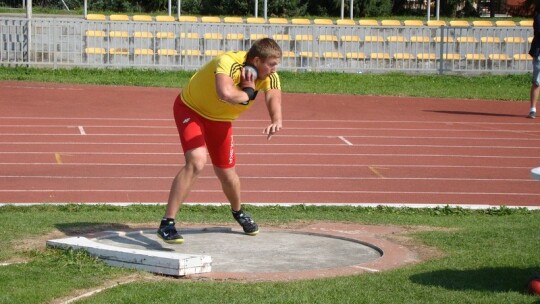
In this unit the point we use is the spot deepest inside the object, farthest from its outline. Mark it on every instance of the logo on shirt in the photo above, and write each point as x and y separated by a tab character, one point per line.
186	120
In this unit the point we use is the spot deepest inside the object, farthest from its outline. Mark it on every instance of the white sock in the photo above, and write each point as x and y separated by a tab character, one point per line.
533	109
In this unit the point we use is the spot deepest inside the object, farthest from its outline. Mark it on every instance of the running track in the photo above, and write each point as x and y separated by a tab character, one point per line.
64	143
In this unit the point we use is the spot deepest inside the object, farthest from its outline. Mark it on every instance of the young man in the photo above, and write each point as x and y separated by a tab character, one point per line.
535	53
215	96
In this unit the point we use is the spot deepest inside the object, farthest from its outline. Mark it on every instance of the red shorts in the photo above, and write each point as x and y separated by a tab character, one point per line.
196	131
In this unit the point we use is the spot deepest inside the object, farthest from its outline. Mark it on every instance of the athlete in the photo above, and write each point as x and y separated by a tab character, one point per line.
215	96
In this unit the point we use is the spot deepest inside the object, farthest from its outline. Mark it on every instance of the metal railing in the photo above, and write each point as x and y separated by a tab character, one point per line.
69	42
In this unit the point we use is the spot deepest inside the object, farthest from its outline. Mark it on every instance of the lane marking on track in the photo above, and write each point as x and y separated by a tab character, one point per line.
376	171
71	177
81	130
58	158
345	140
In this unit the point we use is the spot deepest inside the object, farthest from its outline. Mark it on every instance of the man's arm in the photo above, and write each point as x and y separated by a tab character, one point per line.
273	104
228	92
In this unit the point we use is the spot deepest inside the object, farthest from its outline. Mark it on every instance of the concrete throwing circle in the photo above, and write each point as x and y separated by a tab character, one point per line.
276	254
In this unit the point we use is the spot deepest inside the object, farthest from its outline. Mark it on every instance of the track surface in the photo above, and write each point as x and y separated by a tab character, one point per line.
107	144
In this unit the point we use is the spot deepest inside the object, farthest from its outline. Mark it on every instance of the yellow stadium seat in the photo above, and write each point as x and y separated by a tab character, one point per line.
459	23
379	56
332	55
303	37
118	34
426	56
119	17
323	21
403	56
475	57
451	56
288	54
300	21
189	35
281	37
436	23
257	36
505	23
162	18
119	51
234	36
390	22
309	54
345	22
355	55
350	38
446	39
94	33
210	19
466	39
143	35
396	39
167	52
368	22
213	36
255	20
490	39
191	53
374	38
522	57
233	20
516	40
165	35
95	51
526	23
498	57
482	23
142	18
328	38
278	21
420	39
144	52
96	17
413	22
213	53
188	19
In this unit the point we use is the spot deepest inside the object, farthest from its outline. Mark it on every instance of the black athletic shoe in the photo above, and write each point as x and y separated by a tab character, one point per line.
247	223
532	115
169	234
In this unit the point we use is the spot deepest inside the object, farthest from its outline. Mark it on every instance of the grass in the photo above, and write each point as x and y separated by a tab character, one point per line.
489	255
493	87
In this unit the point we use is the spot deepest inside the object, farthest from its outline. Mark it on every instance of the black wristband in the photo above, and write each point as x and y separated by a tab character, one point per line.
250	93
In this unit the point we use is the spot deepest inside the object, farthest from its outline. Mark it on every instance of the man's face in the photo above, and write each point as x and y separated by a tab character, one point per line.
267	66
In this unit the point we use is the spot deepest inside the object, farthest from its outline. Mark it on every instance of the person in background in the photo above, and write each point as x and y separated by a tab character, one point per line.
216	95
534	51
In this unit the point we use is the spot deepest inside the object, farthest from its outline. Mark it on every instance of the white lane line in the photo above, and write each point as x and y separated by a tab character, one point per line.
345	140
524	194
527	180
81	130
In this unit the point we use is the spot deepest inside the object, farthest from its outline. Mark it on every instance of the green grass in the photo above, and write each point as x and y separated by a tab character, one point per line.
489	254
492	87
488	257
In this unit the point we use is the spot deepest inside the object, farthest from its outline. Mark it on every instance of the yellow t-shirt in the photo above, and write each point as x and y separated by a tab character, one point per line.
200	93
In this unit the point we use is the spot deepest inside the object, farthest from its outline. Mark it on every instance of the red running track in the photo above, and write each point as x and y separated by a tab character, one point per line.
107	144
